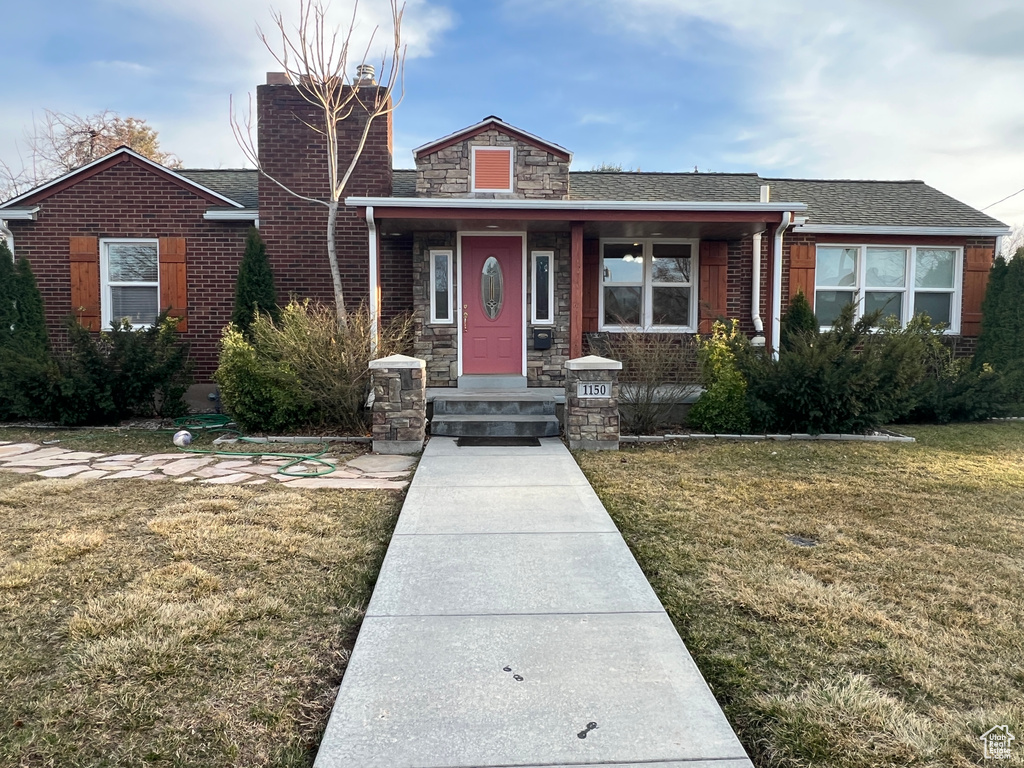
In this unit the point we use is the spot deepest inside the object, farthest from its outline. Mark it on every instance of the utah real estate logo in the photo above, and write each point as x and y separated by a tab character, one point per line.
997	742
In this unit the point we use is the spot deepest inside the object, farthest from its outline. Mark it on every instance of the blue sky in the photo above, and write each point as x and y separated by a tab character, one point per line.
928	89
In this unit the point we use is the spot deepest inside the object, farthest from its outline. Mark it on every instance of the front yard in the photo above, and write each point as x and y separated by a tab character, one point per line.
897	640
162	624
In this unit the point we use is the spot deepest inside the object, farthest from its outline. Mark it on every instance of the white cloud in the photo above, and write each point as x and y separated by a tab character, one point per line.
863	88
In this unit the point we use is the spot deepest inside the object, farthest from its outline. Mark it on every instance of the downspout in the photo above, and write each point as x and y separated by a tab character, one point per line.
755	290
374	288
787	220
8	235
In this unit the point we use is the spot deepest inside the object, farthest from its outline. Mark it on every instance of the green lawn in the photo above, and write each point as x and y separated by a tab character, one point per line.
155	624
897	640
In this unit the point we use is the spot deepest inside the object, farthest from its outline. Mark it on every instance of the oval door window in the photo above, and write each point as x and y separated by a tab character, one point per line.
492	292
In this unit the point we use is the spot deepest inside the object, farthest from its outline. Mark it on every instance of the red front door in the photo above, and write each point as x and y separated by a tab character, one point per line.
492	305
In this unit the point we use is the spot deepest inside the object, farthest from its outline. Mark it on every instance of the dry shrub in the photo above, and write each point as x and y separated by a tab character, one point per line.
658	371
305	371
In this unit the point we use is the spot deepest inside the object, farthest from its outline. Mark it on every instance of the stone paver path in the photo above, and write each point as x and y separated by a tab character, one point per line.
366	472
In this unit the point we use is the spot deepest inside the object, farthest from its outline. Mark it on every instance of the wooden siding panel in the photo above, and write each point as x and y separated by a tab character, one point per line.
801	271
977	268
84	257
591	285
713	283
173	279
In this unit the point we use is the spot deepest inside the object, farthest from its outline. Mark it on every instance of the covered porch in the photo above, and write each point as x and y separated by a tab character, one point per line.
506	290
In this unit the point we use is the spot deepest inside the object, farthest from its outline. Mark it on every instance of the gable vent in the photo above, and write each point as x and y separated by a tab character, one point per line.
492	170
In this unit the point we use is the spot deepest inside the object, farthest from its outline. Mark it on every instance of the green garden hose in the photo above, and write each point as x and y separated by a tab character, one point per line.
216	422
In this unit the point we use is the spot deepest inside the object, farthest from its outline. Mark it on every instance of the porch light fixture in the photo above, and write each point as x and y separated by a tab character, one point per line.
492	226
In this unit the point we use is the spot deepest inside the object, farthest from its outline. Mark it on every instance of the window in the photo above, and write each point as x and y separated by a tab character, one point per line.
129	276
898	280
441	286
648	284
492	169
542	288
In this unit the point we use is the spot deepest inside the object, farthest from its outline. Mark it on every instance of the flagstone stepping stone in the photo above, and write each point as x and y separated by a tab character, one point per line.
235	478
166	456
155	476
127	474
375	463
42	453
82	455
48	461
261	469
63	471
234	464
184	479
342	483
212	472
14	449
114	466
21	470
124	457
92	474
260	481
183	466
5	442
385	475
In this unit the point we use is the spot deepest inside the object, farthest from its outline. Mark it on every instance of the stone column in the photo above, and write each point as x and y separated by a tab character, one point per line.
592	403
399	404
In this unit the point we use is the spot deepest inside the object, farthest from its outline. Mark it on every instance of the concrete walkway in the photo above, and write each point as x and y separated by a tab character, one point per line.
511	626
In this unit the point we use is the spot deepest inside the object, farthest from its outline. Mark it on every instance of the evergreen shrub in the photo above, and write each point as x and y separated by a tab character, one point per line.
722	408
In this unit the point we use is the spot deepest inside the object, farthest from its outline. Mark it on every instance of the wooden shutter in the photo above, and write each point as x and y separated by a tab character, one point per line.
591	285
801	271
493	169
714	283
84	255
977	269
173	287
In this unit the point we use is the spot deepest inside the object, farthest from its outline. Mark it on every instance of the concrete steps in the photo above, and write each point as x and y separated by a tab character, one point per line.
494	415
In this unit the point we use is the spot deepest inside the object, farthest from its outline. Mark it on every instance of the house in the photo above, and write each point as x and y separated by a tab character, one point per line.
508	260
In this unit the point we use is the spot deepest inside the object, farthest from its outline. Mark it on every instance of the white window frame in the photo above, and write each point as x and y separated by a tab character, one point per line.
908	290
106	297
435	255
534	256
511	168
648	284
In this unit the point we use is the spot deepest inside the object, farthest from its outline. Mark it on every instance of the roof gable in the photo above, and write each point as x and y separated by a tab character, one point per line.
487	124
120	155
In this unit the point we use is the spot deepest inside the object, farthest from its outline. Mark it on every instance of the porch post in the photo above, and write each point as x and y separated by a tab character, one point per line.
374	259
576	293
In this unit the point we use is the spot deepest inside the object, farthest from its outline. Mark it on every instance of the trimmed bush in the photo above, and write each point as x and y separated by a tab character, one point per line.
1001	341
723	406
121	373
24	347
304	371
850	379
798	322
255	293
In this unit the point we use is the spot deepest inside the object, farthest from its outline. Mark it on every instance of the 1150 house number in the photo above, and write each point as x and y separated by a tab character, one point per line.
593	389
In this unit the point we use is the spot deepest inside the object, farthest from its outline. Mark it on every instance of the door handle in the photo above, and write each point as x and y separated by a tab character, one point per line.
465	321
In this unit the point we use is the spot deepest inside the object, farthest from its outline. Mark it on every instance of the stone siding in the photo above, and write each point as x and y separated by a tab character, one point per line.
546	368
539	174
399	404
592	424
436	343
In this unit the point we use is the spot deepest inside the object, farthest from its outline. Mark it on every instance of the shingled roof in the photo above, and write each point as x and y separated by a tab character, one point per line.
830	202
239	184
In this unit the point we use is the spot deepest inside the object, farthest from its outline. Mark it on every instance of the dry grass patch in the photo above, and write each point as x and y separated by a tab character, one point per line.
159	624
896	641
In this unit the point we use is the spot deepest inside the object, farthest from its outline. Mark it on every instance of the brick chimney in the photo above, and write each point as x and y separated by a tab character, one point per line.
295	155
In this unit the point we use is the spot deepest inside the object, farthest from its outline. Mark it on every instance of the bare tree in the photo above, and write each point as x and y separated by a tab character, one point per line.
316	59
60	142
1013	242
